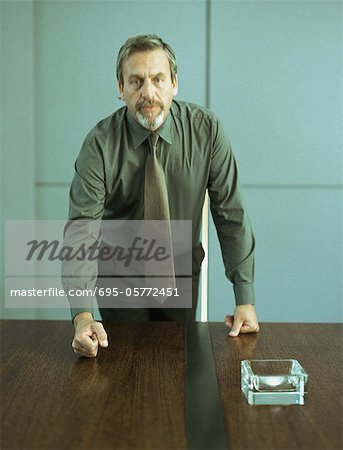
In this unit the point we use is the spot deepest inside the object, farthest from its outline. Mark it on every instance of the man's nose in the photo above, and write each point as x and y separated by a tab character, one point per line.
148	90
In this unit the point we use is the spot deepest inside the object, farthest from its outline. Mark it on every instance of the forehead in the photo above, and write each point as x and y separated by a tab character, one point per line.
147	62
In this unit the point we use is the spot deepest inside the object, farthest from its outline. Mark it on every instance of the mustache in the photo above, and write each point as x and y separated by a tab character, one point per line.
142	103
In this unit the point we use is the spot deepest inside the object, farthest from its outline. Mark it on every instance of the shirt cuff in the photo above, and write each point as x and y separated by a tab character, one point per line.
244	294
79	305
75	311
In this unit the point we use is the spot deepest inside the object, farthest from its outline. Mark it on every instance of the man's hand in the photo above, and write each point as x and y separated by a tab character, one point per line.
243	321
89	334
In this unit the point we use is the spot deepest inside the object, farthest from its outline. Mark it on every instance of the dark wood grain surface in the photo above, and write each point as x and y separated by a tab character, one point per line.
132	395
129	397
315	425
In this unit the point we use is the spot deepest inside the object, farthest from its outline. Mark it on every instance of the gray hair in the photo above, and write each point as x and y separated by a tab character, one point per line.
142	43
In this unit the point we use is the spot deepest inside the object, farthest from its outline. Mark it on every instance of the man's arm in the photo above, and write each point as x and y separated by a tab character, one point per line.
234	232
86	206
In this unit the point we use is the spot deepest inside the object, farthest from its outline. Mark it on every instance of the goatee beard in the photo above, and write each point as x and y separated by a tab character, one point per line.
150	124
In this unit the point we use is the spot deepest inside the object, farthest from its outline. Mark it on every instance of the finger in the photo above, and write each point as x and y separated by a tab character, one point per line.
250	328
236	328
79	348
86	354
83	352
85	344
229	320
100	334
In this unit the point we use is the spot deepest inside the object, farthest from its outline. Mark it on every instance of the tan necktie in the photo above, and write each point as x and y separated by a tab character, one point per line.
156	208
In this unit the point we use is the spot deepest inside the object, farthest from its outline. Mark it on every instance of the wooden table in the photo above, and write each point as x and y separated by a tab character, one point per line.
132	395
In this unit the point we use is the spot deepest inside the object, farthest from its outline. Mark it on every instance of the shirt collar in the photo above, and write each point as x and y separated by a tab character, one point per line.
139	134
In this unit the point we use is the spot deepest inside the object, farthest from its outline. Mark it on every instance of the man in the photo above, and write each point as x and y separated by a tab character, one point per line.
194	154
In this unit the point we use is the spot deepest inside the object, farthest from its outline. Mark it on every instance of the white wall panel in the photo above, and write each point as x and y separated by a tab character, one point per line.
17	125
52	202
276	82
299	257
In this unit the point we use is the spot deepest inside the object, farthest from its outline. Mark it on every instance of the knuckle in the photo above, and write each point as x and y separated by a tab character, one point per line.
100	327
75	342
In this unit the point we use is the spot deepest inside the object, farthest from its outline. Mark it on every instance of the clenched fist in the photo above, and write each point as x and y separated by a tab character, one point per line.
89	334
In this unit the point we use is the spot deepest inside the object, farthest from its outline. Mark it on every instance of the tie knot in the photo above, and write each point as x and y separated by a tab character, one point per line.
153	138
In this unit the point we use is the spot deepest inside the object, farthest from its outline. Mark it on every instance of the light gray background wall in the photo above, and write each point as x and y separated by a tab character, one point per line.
273	74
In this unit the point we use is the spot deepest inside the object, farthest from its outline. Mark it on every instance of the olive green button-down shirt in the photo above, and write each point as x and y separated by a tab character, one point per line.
195	155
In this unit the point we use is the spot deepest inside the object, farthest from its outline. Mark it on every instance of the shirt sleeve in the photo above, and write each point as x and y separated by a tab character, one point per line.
230	218
82	232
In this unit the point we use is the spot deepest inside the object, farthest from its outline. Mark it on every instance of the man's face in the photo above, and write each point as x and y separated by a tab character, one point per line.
148	89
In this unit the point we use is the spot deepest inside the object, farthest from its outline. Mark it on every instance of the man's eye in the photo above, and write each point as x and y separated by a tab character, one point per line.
135	82
158	81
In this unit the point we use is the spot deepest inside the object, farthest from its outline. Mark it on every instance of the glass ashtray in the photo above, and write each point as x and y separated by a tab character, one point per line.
273	381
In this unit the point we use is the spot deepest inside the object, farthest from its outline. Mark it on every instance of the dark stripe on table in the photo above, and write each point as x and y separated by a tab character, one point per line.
205	426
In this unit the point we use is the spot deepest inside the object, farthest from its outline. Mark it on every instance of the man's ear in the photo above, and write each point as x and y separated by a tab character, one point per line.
121	90
175	85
